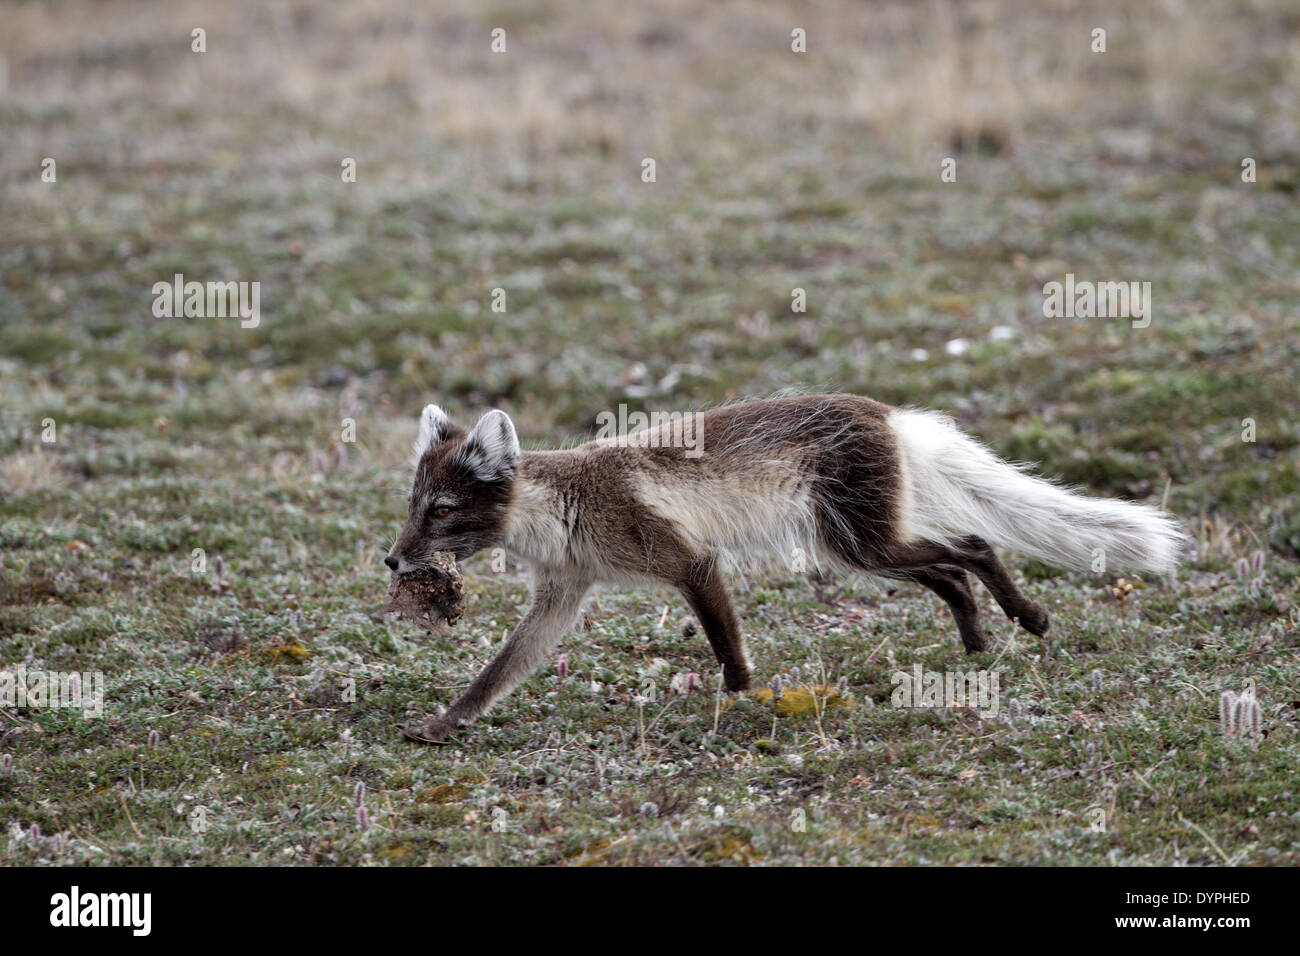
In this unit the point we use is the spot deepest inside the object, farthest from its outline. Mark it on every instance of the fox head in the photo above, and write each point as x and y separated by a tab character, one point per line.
461	492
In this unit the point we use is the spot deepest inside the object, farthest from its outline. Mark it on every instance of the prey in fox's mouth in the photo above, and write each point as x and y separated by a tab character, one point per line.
432	595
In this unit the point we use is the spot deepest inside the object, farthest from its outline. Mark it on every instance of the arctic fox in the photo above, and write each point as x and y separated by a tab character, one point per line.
843	480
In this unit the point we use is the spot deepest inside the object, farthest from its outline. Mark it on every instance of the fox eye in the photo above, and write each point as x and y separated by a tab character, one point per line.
442	511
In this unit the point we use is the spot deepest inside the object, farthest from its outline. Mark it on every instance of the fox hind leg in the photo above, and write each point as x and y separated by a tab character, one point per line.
984	563
952	585
974	555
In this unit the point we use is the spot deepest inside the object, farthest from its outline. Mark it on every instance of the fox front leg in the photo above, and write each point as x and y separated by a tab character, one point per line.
706	593
554	609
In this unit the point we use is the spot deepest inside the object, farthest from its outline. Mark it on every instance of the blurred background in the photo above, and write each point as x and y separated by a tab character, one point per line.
774	171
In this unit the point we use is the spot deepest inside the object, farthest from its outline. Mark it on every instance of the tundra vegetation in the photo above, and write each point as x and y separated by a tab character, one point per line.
252	708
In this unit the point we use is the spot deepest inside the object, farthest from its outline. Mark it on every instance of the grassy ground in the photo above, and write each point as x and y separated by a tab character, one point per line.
230	734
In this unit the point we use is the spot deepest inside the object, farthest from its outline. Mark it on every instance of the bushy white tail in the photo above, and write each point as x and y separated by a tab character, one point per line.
954	486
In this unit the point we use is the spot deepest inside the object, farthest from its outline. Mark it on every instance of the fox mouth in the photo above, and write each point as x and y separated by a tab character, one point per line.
425	573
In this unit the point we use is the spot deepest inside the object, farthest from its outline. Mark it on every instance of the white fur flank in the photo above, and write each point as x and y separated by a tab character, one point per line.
433	429
749	520
491	449
954	486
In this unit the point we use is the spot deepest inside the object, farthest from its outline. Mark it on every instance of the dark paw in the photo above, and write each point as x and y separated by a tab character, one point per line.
735	680
1035	619
974	641
431	730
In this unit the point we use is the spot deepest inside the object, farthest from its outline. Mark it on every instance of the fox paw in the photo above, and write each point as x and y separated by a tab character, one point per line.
974	640
1035	619
431	730
736	679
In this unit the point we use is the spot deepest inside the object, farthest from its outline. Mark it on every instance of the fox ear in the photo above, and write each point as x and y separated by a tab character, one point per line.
435	428
491	450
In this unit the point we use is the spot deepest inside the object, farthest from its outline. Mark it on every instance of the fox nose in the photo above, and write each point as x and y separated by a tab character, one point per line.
391	562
